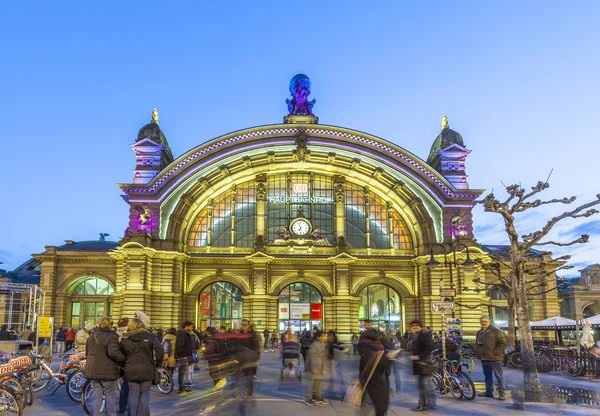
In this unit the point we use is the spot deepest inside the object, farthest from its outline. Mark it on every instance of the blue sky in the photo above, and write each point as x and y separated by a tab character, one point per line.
518	80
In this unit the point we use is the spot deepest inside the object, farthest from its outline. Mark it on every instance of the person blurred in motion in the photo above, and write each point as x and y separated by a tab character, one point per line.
289	348
193	362
104	359
305	343
222	330
315	369
355	340
82	336
266	338
368	335
214	355
124	394
274	340
376	366
248	354
143	353
169	344
393	366
183	354
422	365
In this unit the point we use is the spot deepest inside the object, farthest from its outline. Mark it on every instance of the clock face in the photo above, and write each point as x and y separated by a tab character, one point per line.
300	227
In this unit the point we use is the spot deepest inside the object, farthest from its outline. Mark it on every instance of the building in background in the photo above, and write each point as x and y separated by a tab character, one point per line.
581	299
295	225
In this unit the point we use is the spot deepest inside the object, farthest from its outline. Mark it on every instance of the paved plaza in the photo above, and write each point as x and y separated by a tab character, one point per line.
274	398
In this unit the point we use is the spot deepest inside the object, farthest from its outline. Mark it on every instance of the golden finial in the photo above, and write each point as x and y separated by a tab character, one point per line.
155	116
444	123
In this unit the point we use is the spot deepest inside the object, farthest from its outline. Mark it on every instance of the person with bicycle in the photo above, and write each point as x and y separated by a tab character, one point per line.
422	348
104	359
491	343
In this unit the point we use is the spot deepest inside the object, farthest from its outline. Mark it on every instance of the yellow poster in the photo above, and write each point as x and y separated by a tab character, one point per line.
45	327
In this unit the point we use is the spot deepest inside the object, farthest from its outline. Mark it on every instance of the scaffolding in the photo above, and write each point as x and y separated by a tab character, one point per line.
20	305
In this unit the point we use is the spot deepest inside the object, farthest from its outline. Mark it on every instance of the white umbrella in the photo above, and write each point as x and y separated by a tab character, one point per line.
594	320
556	322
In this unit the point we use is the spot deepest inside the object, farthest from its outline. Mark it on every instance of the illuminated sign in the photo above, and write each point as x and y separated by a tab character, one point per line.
299	188
300	199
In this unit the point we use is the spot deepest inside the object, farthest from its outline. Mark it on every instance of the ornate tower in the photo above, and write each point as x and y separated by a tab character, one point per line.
152	152
448	155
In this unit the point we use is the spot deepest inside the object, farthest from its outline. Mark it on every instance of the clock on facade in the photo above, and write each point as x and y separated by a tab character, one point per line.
300	227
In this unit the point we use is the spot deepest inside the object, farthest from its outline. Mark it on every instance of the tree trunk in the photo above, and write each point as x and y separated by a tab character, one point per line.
531	380
512	330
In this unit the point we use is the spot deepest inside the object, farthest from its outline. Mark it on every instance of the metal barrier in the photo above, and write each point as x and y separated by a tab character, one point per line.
20	305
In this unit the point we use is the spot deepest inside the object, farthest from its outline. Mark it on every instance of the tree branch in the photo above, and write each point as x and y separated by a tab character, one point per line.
538	202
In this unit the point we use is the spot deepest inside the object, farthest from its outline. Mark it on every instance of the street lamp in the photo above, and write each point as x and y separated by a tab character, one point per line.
433	263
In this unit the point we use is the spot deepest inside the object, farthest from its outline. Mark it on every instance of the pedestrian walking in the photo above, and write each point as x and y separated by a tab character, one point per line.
193	363
423	366
355	340
143	353
366	336
305	344
61	337
122	330
103	366
251	353
315	369
70	339
274	340
376	368
491	343
393	366
27	331
183	354
266	338
4	333
169	345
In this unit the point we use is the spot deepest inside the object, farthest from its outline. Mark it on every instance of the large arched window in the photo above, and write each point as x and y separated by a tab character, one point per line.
382	305
300	308
220	304
369	223
230	220
90	300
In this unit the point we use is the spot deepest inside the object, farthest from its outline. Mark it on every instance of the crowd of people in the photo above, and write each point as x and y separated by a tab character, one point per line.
131	349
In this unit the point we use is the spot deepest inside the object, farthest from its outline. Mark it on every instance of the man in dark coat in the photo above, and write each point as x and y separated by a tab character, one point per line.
248	355
61	337
377	387
143	353
422	365
103	365
183	354
366	337
491	343
4	333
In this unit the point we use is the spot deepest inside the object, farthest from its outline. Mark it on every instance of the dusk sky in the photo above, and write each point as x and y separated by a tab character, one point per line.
518	80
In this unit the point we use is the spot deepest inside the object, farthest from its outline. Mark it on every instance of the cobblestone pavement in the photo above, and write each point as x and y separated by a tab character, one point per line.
273	397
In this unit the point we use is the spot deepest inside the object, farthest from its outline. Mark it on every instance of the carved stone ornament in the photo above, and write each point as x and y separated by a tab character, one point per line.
302	148
145	219
261	191
594	279
340	192
300	90
459	228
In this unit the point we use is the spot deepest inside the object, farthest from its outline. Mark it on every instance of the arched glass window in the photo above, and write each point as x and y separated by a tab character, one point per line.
220	304
221	225
300	308
382	305
92	286
359	202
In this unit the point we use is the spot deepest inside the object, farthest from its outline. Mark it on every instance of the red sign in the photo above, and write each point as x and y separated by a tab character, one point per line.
299	188
205	303
315	311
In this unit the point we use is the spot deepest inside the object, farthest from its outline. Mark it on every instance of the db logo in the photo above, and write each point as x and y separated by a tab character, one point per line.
7	369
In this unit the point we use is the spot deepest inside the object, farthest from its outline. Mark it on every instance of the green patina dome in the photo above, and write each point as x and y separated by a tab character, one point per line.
153	132
447	137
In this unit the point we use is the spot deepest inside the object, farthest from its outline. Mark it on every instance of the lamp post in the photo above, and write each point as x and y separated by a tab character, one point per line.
433	263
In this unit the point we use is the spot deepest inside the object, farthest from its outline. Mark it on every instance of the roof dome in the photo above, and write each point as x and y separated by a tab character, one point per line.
447	137
152	131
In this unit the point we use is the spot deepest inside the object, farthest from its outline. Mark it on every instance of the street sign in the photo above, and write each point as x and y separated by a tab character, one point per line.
453	321
442	306
447	293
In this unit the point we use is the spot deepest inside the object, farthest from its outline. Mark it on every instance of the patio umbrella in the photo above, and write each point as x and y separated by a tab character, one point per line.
594	320
557	324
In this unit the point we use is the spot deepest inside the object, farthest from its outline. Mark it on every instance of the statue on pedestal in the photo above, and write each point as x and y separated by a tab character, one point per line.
300	90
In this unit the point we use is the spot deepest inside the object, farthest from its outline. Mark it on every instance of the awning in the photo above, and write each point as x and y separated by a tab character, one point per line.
556	322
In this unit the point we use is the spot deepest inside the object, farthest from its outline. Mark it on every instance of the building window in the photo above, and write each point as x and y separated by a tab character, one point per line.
300	308
219	224
75	314
356	226
220	304
383	306
90	300
92	286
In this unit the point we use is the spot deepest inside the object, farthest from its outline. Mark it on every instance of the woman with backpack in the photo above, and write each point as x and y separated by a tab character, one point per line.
143	353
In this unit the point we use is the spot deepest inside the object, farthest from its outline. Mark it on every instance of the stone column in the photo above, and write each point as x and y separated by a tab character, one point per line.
343	306
257	304
261	205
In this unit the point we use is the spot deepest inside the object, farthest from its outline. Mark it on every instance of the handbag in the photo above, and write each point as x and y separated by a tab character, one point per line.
157	378
355	391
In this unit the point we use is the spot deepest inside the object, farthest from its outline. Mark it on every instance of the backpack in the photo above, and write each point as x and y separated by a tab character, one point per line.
306	341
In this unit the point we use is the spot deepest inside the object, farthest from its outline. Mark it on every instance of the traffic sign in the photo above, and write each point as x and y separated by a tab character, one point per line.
442	306
447	293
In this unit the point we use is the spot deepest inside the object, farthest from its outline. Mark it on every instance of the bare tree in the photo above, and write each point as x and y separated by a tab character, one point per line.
526	276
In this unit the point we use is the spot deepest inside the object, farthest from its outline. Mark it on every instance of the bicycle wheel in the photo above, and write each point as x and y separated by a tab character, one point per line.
435	381
15	385
574	368
544	363
453	383
515	360
467	386
87	398
40	378
467	365
9	404
75	383
166	381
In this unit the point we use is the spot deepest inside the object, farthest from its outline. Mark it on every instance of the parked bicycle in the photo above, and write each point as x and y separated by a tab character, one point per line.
450	379
42	375
9	404
14	375
549	360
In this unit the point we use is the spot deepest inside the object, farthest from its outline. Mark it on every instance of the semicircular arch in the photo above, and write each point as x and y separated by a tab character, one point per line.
198	283
287	280
397	284
74	279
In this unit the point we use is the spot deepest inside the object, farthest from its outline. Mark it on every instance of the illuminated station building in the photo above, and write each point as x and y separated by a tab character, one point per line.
294	225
